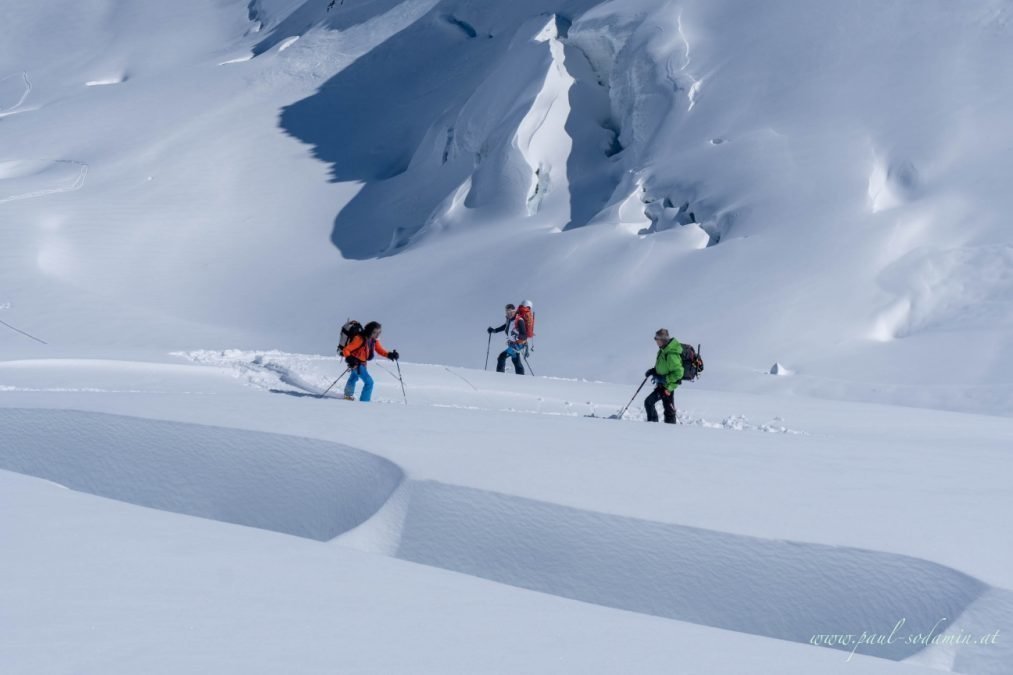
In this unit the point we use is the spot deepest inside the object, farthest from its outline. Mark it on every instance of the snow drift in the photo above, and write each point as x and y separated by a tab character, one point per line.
294	485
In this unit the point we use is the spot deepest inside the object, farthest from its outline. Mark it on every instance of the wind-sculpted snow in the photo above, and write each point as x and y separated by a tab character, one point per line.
294	485
469	73
783	589
986	274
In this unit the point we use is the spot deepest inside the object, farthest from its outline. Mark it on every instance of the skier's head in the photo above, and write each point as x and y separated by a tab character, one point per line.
510	311
372	329
661	336
527	303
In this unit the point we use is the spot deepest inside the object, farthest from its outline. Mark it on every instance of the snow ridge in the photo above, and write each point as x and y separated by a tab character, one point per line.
298	486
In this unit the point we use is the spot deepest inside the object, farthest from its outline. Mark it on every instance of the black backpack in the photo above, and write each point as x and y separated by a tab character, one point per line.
692	364
348	331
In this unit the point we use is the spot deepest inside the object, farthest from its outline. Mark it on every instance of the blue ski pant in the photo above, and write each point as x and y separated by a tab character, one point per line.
357	373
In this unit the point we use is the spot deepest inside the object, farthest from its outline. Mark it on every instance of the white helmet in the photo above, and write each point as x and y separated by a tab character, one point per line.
527	303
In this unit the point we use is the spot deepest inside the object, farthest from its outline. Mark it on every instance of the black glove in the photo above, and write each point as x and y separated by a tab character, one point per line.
353	362
651	373
489	330
393	355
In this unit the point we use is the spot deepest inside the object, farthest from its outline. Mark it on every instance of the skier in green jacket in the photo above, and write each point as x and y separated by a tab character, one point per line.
667	372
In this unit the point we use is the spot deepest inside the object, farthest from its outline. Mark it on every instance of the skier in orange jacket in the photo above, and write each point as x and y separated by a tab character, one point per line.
357	353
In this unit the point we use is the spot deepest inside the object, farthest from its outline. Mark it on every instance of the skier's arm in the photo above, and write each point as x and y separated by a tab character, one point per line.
501	328
378	348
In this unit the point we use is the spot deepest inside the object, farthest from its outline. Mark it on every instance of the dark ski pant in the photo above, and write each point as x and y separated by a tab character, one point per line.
667	403
514	356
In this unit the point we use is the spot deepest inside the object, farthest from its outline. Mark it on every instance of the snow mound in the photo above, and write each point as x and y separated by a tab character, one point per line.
779	369
298	486
106	81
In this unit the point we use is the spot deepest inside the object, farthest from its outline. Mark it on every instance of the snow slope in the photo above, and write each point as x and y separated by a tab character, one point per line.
194	196
784	520
819	185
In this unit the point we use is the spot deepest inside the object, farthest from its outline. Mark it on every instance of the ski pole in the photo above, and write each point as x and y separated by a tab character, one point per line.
622	412
335	382
528	365
397	362
29	335
487	348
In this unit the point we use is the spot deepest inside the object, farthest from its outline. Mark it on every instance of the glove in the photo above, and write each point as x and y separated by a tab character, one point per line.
393	355
651	373
353	362
489	330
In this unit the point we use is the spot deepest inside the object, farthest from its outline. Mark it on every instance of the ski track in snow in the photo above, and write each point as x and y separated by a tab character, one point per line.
468	382
77	184
14	109
96	390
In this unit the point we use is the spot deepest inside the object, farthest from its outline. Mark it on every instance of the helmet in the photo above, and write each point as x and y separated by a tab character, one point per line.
527	303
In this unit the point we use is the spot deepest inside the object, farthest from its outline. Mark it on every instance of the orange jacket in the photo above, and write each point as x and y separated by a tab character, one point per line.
362	349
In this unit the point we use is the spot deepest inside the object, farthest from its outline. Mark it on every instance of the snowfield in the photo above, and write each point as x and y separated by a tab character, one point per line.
785	519
194	197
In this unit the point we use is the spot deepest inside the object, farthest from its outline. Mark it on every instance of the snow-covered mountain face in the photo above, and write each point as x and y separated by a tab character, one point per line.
819	184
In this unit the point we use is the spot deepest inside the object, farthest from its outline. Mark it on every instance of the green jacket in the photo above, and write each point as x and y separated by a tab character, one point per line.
668	365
